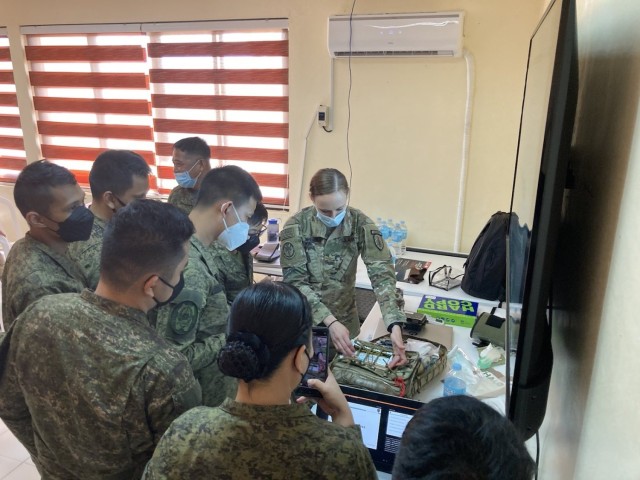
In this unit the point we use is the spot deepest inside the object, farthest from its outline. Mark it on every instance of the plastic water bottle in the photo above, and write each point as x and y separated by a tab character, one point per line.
396	237
405	234
272	230
384	230
454	384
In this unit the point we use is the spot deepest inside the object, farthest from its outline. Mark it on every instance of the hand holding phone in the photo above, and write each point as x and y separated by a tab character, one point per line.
318	365
333	401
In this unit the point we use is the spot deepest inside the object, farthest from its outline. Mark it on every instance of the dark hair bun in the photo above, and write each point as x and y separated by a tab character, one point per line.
244	356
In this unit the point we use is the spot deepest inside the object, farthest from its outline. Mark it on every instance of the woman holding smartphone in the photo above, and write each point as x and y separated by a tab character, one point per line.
262	433
320	246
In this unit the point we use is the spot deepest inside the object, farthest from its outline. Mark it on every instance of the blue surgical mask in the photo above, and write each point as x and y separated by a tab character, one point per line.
185	180
236	234
331	221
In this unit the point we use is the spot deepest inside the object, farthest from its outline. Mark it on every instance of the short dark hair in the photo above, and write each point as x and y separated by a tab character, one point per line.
193	146
32	191
113	171
267	320
260	215
144	236
229	183
461	438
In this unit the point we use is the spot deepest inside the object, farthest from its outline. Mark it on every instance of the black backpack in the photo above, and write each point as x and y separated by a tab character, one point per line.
486	266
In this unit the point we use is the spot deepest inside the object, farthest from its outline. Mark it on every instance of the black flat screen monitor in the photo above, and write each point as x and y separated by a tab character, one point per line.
382	419
546	128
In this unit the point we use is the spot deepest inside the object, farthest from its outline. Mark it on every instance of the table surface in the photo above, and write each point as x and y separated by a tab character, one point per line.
437	259
461	338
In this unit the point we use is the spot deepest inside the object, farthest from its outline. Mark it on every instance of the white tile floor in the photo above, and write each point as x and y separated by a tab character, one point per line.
15	462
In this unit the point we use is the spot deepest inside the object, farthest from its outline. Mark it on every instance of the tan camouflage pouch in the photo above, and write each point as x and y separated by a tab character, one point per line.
367	369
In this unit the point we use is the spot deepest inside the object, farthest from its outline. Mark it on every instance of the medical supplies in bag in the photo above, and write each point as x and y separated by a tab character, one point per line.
368	369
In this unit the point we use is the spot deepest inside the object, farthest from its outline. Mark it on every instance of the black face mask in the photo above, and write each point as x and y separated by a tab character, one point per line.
252	242
77	227
177	288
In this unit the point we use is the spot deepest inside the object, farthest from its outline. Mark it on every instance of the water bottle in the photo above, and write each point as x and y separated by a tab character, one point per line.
272	230
405	234
454	384
397	239
384	230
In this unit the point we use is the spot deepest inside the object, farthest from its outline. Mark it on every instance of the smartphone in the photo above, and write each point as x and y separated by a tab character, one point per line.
319	365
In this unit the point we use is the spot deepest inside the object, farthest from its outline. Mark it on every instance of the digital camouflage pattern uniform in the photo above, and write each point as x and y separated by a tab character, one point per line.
322	263
183	198
34	270
88	387
86	254
235	270
246	441
196	323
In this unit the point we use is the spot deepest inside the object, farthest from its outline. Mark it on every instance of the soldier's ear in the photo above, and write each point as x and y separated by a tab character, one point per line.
300	359
149	285
34	219
109	200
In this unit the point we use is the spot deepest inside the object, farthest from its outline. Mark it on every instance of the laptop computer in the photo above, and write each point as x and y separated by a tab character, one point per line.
382	419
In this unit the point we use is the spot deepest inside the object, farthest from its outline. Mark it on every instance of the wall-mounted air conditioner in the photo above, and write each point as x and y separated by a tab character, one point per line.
396	35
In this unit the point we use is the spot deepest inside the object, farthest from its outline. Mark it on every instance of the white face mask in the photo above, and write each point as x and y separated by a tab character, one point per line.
235	235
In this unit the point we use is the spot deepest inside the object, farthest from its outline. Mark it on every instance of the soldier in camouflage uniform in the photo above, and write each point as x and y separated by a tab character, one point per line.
196	321
235	268
320	246
117	177
191	161
261	434
86	384
52	203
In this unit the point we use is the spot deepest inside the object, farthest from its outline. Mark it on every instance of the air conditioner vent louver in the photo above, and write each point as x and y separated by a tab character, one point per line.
401	35
412	53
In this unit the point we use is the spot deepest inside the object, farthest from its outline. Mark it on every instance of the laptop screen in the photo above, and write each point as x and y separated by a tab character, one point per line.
382	419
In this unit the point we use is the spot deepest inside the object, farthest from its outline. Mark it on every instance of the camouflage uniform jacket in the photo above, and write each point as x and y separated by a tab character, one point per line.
34	270
235	270
322	263
196	322
89	387
183	198
241	441
87	254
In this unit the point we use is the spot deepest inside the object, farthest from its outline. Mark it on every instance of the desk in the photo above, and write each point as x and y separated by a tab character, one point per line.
437	260
461	338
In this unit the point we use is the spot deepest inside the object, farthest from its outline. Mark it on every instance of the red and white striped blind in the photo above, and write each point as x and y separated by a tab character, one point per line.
12	154
143	91
230	88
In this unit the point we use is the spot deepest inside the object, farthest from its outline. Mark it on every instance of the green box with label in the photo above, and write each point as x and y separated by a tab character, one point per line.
459	313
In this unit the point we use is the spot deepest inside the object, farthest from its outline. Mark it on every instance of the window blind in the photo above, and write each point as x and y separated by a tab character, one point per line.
229	87
145	88
12	154
90	93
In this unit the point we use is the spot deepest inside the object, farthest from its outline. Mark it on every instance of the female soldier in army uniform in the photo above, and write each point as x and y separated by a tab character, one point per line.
320	246
262	434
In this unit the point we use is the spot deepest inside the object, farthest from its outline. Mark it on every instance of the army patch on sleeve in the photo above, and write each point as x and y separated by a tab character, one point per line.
288	250
184	317
378	241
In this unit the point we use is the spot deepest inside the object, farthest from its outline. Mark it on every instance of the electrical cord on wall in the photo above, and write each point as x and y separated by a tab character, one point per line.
353	6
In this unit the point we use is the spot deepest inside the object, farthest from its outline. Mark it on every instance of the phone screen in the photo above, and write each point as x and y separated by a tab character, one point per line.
318	366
